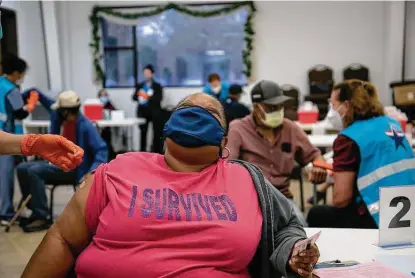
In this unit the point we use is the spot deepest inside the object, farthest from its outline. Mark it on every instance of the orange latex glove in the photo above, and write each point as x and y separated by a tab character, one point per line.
53	148
32	101
323	164
143	94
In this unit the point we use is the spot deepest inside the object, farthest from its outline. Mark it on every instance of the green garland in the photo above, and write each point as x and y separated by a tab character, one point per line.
227	8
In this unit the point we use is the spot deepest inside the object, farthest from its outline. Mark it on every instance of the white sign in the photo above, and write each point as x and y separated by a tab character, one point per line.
397	216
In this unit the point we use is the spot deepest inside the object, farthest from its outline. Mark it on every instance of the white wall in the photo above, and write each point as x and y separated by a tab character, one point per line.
290	38
293	36
410	42
30	41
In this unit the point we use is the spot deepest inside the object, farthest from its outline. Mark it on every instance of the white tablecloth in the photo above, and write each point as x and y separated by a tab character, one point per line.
133	132
359	245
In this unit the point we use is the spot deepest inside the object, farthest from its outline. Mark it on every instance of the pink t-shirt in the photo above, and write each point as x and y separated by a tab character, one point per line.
149	221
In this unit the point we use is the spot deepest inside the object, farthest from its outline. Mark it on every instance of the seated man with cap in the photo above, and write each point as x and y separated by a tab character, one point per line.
233	108
66	120
271	142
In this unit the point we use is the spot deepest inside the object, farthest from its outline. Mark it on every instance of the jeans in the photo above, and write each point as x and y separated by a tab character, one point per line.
6	185
33	176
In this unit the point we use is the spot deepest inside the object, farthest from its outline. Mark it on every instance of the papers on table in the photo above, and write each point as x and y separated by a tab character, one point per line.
366	270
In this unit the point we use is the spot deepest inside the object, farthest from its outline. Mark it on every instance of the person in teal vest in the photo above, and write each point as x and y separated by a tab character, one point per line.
217	88
12	108
370	152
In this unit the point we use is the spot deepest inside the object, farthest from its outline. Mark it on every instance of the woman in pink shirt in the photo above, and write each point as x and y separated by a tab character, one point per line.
188	213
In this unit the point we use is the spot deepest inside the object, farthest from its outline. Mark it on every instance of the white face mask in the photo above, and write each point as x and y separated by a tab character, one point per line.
335	119
217	89
274	119
19	82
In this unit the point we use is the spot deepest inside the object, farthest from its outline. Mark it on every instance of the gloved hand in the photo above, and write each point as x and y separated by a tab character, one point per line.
32	101
53	148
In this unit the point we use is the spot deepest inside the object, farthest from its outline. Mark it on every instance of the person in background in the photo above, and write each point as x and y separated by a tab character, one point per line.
105	100
271	142
217	88
12	108
233	108
205	227
387	159
34	175
149	95
106	132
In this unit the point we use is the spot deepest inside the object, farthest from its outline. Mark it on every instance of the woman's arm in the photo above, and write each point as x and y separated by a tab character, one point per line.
343	188
10	144
65	240
346	162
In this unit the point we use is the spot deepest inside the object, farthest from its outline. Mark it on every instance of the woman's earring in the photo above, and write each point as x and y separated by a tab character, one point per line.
227	155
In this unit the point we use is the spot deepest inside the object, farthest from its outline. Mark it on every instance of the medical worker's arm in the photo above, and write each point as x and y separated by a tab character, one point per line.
15	100
52	148
346	161
64	241
43	98
10	144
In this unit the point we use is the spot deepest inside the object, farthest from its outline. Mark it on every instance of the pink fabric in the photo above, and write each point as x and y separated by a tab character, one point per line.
149	221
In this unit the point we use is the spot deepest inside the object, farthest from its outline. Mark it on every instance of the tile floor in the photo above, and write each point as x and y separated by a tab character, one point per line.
17	247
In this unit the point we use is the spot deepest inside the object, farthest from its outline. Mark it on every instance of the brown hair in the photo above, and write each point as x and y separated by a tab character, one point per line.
213	76
363	98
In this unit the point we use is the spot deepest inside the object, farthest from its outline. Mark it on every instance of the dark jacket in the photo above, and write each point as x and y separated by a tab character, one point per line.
154	103
235	110
87	137
280	229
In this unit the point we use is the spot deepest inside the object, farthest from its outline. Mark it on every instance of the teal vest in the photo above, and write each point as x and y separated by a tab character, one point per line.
387	158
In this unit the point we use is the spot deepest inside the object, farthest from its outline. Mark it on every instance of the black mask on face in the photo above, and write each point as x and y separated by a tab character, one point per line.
63	114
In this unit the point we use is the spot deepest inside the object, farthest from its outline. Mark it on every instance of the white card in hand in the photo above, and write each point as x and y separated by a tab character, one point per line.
303	244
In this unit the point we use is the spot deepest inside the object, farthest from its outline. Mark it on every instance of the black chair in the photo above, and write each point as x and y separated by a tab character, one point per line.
52	188
291	107
297	174
321	82
356	71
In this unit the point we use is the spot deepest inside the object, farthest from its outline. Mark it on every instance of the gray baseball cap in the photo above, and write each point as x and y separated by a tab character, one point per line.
268	92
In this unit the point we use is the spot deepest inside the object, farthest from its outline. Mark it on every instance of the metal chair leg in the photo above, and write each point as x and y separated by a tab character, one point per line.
51	202
300	179
315	200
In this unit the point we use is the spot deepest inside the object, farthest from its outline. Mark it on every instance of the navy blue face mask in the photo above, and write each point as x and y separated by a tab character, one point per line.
193	127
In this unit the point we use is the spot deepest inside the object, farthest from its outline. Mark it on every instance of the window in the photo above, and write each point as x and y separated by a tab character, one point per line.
183	49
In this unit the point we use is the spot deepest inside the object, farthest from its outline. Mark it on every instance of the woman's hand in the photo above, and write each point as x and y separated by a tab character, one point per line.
304	262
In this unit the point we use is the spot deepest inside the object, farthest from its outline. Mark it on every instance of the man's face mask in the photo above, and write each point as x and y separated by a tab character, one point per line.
274	119
217	89
63	114
193	127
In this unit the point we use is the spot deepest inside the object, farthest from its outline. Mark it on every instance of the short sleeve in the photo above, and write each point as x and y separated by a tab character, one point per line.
346	156
97	199
15	99
234	141
305	151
